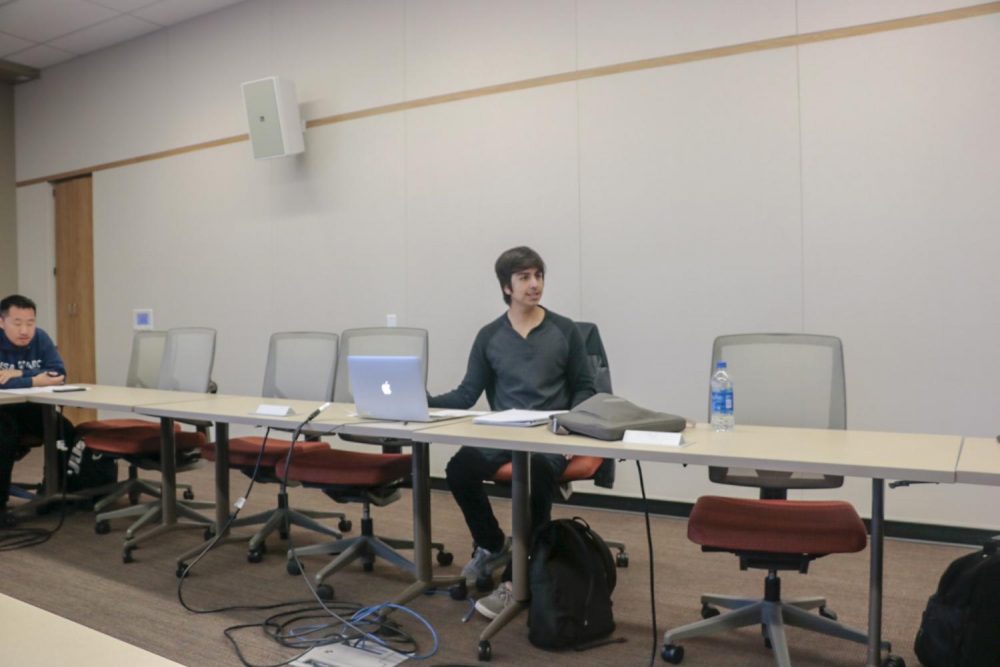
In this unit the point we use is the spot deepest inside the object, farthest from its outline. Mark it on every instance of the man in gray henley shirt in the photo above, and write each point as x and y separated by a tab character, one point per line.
528	358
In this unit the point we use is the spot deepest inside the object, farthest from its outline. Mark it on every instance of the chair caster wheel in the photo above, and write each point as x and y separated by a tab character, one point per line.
825	612
127	555
484	583
324	591
345	525
368	565
102	527
133	497
672	653
445	558
893	661
459	591
209	533
485	651
255	555
283	534
621	559
188	494
708	611
181	569
292	567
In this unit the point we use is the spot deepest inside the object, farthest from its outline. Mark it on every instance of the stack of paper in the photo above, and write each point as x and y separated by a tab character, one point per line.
517	417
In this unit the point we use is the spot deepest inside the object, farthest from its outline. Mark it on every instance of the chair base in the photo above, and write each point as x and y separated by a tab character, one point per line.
772	614
282	518
366	546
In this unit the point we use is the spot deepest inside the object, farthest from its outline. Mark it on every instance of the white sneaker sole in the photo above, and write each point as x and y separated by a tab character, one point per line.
485	611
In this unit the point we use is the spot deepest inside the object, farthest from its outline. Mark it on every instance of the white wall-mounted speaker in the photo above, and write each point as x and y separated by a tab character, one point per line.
273	117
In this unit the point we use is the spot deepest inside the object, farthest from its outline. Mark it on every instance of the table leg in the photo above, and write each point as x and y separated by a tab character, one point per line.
520	538
425	578
875	574
168	498
50	492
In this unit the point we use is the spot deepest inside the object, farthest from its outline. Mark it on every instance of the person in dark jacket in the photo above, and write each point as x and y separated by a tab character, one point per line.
528	358
28	358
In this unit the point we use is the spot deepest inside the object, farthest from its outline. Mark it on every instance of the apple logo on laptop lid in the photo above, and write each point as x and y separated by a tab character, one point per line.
387	388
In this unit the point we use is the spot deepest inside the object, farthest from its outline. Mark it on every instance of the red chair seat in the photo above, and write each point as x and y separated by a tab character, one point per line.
337	467
243	452
776	526
87	428
578	468
140	441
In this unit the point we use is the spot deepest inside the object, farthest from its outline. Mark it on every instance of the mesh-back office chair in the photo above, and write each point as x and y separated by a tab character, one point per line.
782	380
367	478
188	356
579	468
144	372
300	365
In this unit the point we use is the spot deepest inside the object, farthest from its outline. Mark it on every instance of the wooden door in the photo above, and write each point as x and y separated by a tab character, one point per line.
75	283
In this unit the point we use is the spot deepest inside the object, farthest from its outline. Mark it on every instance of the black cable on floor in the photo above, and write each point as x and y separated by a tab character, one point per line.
13	538
652	586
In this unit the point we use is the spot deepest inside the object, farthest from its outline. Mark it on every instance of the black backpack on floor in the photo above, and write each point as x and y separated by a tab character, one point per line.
572	576
961	625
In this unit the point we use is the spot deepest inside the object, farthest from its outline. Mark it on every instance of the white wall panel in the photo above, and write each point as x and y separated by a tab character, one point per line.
454	45
815	15
613	32
336	258
207	60
186	236
900	152
343	56
483	176
689	217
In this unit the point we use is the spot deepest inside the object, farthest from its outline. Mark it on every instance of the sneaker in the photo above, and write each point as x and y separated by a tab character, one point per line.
478	566
491	605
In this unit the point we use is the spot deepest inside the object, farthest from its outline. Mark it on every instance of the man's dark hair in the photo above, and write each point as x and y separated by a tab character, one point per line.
514	261
16	301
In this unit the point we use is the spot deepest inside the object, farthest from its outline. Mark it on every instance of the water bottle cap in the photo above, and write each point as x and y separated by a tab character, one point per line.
720	364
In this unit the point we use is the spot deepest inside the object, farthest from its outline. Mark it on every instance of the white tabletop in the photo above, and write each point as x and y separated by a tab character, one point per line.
10	399
33	637
871	454
242	410
107	397
979	462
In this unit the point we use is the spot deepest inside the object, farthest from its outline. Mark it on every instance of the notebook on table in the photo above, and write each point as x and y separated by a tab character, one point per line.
390	387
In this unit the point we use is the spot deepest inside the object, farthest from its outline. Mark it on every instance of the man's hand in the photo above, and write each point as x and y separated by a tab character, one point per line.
8	374
48	379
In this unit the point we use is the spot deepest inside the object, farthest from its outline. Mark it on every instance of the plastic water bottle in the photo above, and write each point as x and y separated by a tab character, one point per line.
722	399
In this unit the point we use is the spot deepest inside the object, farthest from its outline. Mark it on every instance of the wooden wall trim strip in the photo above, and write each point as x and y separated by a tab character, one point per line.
569	77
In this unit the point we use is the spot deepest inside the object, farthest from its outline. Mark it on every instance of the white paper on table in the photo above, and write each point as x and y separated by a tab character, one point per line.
517	417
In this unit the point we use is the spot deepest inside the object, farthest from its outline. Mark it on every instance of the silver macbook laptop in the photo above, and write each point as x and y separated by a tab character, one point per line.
386	387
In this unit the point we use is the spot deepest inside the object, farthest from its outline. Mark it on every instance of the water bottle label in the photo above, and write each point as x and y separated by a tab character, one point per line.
719	401
728	402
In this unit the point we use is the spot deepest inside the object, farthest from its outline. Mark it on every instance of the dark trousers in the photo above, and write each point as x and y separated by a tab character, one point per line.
17	422
466	472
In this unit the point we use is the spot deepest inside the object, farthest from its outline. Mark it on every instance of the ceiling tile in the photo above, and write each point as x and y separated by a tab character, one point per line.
10	44
120	29
40	56
41	20
168	12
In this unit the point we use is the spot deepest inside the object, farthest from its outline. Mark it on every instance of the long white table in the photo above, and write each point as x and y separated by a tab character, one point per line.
867	454
33	637
337	418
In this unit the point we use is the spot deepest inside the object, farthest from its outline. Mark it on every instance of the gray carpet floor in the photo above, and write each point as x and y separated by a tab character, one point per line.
80	575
